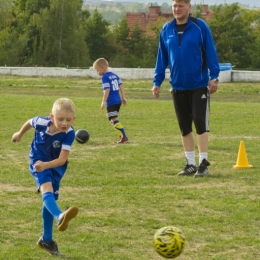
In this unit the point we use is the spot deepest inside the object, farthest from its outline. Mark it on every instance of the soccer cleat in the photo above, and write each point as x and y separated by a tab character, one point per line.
122	140
202	169
188	170
50	247
65	217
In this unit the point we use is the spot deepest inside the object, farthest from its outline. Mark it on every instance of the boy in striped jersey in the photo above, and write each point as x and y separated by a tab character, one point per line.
112	87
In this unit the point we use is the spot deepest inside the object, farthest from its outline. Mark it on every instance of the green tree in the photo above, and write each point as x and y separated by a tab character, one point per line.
233	37
137	49
255	52
23	11
62	35
5	23
197	11
5	13
128	45
48	33
121	35
251	18
121	32
136	46
96	36
152	41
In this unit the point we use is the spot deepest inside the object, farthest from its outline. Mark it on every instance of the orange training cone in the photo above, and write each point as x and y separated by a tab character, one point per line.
242	161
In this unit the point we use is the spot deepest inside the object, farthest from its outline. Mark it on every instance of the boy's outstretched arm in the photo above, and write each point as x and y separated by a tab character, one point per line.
18	135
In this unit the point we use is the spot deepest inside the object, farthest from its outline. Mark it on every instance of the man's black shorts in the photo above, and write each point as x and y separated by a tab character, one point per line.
192	106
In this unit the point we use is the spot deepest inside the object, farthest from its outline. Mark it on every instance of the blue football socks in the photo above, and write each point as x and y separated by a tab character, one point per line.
47	224
51	205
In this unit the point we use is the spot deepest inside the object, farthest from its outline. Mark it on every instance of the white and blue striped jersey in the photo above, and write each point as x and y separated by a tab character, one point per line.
47	146
112	81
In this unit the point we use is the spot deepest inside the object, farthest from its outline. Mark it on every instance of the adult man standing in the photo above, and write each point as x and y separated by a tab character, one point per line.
186	45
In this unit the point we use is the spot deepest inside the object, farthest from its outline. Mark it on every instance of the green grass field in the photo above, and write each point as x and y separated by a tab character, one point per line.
126	192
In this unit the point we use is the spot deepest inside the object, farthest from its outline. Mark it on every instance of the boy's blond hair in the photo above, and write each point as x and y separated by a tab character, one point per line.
185	1
63	104
101	62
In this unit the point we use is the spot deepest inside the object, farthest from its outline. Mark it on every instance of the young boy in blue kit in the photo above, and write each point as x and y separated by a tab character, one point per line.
49	154
112	87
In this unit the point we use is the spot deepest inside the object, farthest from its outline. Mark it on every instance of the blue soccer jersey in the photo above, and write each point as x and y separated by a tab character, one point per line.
47	146
112	81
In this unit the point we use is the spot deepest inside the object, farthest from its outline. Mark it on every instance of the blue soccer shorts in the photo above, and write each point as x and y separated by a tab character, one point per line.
49	175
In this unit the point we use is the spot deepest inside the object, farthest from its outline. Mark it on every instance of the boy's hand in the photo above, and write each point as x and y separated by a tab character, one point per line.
39	166
102	105
124	101
16	137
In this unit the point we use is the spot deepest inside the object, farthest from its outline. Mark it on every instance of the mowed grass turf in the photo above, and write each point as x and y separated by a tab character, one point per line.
125	193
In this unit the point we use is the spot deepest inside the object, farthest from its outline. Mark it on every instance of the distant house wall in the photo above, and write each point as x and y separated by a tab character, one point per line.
206	13
138	18
143	19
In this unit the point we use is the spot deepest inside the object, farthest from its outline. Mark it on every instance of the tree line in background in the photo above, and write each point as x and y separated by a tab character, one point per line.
59	33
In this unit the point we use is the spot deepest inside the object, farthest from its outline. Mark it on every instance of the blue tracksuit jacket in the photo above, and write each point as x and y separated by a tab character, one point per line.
189	67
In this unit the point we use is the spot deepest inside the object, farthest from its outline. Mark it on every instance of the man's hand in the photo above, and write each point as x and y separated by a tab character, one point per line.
156	91
213	86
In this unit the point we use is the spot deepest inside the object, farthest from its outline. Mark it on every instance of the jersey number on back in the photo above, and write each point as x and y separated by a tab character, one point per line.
115	85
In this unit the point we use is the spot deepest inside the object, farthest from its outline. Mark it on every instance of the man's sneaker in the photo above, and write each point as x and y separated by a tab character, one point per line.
202	169
51	247
188	170
122	140
65	217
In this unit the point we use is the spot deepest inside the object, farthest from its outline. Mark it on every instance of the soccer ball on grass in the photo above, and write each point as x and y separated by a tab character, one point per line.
169	242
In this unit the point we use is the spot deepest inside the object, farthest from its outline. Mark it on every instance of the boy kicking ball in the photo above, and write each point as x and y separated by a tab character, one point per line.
49	154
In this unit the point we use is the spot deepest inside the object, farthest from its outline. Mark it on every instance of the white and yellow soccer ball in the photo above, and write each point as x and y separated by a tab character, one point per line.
169	242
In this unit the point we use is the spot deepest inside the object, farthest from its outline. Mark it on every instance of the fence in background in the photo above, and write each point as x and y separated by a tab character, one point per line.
226	73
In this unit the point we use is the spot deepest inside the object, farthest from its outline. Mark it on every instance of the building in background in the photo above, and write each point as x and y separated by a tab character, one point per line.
206	13
144	19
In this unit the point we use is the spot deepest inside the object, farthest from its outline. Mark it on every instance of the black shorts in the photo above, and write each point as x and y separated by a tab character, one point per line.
112	111
192	106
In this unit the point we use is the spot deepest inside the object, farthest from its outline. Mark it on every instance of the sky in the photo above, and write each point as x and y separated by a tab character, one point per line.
251	3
